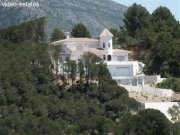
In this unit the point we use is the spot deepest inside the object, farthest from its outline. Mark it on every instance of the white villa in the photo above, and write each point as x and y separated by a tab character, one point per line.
121	68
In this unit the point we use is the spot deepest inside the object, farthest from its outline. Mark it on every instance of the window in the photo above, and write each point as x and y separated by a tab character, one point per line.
120	58
140	82
134	82
109	57
109	45
104	45
104	57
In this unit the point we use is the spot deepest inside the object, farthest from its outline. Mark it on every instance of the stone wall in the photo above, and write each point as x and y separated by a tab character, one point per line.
152	79
150	90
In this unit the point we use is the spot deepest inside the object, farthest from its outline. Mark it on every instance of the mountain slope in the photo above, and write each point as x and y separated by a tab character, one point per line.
65	13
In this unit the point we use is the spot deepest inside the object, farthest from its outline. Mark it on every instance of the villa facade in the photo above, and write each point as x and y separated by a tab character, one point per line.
121	68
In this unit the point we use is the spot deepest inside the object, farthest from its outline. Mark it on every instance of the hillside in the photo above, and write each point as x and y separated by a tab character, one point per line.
65	13
30	100
32	104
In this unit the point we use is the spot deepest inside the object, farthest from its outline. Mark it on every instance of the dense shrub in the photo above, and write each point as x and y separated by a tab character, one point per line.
171	83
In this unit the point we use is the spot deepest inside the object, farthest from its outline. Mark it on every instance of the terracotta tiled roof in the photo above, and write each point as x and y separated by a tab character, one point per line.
75	40
96	51
106	32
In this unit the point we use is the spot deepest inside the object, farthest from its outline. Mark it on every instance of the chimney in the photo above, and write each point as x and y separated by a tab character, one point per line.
67	35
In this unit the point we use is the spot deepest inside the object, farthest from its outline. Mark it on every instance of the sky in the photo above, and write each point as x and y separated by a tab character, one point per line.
151	5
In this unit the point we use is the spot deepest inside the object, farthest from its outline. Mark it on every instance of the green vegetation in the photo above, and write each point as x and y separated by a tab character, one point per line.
170	83
32	102
137	18
79	30
175	113
147	122
154	38
34	31
54	53
57	34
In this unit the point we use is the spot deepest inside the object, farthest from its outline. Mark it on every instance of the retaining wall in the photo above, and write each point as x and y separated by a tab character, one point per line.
150	90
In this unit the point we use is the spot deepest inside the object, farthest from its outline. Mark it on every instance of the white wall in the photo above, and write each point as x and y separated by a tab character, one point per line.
135	67
132	65
90	44
151	90
76	55
161	106
115	56
70	45
106	40
114	71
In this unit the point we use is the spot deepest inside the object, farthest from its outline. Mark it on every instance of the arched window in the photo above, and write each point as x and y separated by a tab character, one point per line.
109	57
104	45
109	45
